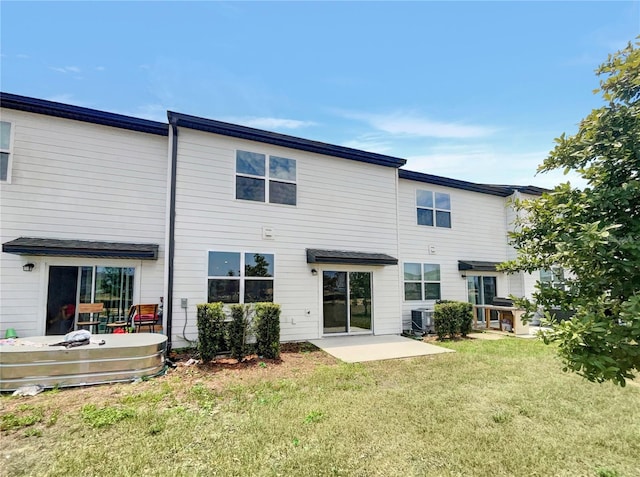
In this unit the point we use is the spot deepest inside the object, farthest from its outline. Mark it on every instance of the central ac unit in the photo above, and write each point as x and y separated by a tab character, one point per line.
422	320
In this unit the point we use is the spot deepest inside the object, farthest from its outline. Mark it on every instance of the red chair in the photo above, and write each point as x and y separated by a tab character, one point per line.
144	315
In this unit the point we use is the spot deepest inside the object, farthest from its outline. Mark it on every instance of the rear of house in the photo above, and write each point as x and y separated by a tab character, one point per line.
83	204
99	207
453	234
267	217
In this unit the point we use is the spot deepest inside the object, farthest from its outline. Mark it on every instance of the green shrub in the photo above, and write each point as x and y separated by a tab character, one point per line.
267	329
211	336
465	317
238	329
452	318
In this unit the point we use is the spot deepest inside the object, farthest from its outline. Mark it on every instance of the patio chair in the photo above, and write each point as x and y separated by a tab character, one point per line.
93	310
144	315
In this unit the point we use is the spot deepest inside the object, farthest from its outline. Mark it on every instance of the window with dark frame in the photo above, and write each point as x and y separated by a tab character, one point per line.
433	208
263	178
421	281
235	277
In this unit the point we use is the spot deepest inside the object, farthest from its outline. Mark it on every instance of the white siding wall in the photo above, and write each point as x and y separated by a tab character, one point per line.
516	280
478	232
76	180
342	205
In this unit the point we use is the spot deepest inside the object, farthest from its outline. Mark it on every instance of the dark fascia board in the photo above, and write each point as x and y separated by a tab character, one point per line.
292	142
529	189
80	248
500	191
77	113
491	189
353	258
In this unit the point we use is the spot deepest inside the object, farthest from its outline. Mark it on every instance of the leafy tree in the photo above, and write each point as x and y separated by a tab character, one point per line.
594	232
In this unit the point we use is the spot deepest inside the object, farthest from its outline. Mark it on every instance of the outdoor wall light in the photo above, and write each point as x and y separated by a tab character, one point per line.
28	267
314	272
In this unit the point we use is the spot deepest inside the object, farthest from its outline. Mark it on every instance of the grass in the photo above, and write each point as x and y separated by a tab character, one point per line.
494	408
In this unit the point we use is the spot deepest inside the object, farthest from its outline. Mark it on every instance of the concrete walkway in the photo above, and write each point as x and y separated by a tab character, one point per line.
356	349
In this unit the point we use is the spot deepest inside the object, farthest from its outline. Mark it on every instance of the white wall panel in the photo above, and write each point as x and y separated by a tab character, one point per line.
77	180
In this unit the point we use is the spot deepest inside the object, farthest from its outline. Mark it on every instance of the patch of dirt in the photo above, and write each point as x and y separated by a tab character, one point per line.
296	359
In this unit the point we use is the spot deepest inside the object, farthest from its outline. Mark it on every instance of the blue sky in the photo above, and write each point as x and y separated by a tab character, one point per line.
471	90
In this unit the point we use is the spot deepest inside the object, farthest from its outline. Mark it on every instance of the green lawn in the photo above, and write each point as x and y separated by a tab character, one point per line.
494	408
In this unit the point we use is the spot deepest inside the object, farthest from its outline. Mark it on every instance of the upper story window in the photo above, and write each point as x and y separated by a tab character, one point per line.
421	281
434	208
6	132
263	178
235	277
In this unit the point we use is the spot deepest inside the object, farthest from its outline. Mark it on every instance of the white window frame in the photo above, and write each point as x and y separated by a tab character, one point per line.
553	278
9	151
266	178
242	278
434	210
422	281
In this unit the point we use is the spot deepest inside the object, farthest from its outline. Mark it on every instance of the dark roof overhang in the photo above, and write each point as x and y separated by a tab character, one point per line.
259	135
491	189
354	258
454	183
77	113
80	248
478	266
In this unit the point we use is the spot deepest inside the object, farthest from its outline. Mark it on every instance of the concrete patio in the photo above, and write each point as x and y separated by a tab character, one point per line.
356	349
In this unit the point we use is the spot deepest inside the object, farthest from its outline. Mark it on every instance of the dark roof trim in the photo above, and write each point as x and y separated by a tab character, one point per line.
77	113
474	265
80	248
498	190
258	135
531	190
353	258
454	183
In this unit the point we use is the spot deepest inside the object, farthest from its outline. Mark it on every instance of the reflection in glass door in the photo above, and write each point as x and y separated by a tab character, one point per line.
69	286
346	302
482	291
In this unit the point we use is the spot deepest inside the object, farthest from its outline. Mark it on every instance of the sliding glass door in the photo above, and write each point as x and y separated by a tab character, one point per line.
482	291
346	303
69	286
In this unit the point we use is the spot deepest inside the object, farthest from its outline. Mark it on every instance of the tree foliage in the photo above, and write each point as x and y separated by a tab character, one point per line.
593	232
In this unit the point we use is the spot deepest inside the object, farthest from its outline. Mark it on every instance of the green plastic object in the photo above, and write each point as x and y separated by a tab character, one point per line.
10	333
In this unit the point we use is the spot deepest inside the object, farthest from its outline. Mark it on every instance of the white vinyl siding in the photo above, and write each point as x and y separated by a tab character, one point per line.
341	205
80	181
479	233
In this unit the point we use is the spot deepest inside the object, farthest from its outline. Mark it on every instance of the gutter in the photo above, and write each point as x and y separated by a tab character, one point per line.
172	231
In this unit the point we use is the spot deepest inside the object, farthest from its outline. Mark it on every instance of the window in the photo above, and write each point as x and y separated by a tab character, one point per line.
421	281
5	151
264	178
553	278
434	208
235	277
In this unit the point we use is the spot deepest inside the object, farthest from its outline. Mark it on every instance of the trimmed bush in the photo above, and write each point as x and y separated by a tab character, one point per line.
452	317
238	330
445	320
211	340
465	317
267	329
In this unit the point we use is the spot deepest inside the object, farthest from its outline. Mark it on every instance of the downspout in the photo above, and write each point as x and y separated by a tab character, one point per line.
172	230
